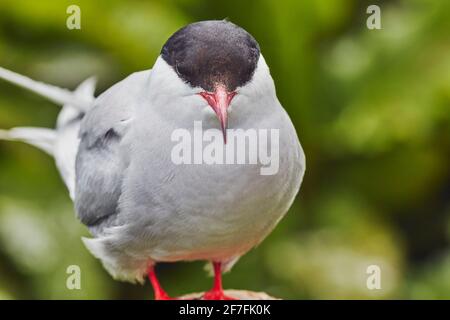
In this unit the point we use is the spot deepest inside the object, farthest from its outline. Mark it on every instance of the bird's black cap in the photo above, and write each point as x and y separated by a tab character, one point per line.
208	53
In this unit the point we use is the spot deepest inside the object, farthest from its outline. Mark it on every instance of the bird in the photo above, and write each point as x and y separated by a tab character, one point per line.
114	153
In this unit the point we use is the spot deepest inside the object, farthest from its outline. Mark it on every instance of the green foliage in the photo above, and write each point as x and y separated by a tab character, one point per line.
371	108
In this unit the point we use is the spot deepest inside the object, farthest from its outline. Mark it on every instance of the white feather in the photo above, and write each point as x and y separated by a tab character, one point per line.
41	138
61	142
57	95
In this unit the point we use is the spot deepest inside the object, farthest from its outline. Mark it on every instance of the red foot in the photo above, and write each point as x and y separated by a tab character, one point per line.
216	295
160	294
163	296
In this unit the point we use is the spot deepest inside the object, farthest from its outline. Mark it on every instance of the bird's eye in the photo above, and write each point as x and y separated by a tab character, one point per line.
176	68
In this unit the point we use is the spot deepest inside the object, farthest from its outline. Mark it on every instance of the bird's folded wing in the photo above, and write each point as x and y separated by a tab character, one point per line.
102	160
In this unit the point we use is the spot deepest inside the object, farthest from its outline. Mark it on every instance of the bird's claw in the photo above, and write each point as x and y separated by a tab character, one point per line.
216	295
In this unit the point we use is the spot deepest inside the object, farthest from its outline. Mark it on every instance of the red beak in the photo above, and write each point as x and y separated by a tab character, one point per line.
219	100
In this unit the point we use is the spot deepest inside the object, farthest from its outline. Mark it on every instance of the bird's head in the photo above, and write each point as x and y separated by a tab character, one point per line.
213	64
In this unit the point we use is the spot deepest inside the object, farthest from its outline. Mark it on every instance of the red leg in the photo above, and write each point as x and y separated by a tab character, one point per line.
216	293
160	294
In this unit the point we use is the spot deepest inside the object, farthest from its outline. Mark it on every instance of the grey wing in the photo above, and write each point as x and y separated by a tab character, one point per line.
101	161
99	173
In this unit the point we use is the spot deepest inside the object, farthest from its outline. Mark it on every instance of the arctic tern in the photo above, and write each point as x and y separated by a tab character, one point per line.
114	154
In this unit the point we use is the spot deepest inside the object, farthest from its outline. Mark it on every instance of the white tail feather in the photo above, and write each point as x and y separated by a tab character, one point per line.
62	142
57	95
41	138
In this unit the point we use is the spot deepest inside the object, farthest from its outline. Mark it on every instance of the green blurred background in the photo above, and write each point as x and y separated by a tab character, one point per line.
372	109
